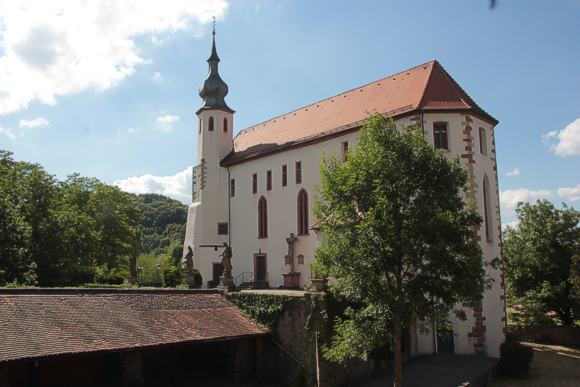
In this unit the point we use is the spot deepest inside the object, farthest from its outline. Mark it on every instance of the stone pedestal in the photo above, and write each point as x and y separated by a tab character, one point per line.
316	285
292	280
189	281
226	284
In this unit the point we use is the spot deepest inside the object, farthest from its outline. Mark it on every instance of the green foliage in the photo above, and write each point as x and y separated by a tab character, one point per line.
515	358
171	277
106	276
163	222
197	279
541	264
57	233
399	237
262	308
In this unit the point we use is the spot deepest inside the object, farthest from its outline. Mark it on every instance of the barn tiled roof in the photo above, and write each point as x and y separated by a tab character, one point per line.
427	87
40	325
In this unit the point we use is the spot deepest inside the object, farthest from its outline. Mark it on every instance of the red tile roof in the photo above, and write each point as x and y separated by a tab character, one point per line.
37	325
427	87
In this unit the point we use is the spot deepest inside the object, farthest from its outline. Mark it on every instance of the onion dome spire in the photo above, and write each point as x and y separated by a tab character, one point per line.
213	90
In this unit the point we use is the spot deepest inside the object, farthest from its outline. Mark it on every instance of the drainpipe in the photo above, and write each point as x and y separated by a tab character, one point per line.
435	337
229	212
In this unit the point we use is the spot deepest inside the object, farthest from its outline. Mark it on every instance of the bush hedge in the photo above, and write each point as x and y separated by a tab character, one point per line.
515	358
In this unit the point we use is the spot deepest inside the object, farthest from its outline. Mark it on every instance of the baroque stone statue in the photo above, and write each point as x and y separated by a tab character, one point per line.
188	261
227	261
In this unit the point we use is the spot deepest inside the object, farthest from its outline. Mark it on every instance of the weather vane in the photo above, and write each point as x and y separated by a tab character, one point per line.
213	24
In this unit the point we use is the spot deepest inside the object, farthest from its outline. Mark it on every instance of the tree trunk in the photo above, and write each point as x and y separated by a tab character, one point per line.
398	377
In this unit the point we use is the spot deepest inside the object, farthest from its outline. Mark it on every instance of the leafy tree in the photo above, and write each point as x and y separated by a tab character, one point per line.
399	238
540	263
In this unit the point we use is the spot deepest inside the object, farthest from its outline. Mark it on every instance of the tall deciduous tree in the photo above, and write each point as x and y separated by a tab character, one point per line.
540	264
400	239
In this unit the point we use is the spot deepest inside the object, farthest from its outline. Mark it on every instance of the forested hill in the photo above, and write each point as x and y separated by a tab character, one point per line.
81	230
162	221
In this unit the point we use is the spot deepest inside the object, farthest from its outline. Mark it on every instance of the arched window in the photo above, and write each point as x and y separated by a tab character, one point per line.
486	210
210	124
225	125
302	212
262	218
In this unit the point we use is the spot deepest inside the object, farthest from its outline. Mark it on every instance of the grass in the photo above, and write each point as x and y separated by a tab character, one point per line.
553	366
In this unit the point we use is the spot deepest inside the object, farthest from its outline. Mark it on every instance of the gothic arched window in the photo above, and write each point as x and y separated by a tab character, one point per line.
225	125
262	218
486	210
302	212
210	124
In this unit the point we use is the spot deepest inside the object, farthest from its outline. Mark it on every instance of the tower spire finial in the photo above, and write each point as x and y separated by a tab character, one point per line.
213	90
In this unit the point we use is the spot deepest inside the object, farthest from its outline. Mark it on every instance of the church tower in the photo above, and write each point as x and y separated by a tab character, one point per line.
208	218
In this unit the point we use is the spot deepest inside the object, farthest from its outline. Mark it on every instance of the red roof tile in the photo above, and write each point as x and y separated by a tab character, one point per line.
424	87
33	326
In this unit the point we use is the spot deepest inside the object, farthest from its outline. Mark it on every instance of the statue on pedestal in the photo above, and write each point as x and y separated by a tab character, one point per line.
227	261
188	261
290	256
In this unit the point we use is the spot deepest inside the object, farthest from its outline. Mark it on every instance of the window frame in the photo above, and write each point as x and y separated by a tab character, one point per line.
232	187
298	172
437	135
344	148
269	180
302	214
210	125
220	230
482	141
284	175
262	218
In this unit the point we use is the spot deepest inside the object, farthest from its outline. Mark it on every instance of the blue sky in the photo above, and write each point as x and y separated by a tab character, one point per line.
112	93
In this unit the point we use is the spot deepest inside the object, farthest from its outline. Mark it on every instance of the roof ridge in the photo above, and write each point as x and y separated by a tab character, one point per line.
334	96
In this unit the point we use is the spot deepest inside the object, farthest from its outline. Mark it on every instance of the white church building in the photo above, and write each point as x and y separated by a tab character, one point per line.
257	189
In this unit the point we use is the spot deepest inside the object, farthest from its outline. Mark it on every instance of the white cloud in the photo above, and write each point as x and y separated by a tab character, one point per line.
176	186
133	130
35	123
513	172
571	194
157	77
8	133
568	139
166	122
60	47
510	198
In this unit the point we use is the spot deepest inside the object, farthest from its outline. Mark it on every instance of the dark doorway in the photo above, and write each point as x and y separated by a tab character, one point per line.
445	344
217	271
260	271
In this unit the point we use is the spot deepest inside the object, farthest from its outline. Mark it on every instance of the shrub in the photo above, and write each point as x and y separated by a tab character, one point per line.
106	276
197	279
171	277
515	358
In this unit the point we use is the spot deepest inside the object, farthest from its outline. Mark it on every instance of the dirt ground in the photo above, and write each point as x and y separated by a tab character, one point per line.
553	366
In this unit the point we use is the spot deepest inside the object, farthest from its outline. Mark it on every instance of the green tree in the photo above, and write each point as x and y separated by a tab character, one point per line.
399	238
540	267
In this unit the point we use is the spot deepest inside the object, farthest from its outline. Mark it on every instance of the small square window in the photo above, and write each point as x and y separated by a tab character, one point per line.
222	228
